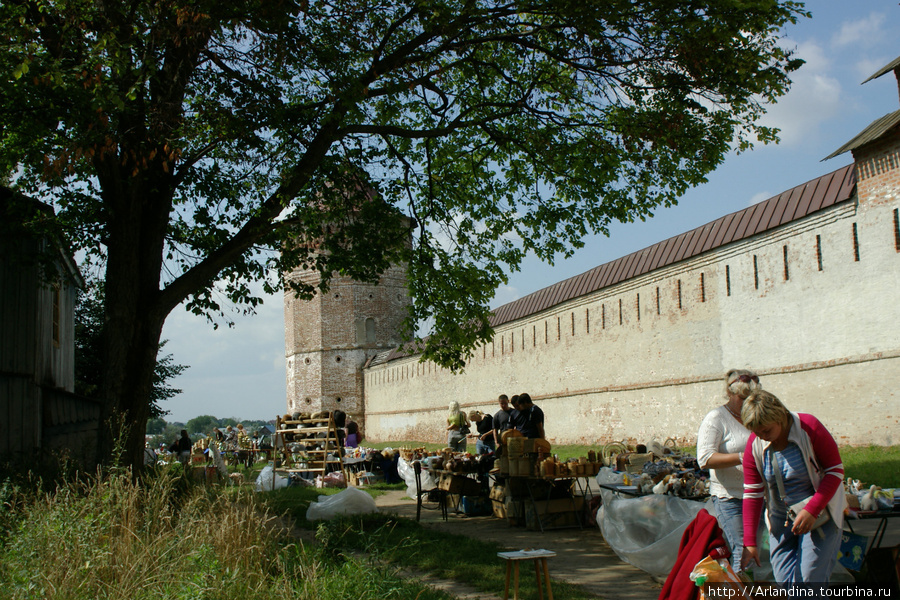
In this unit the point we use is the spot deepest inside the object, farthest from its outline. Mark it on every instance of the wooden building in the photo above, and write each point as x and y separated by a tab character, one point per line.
39	412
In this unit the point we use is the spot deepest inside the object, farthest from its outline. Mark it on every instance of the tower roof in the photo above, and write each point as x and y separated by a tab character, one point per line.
878	127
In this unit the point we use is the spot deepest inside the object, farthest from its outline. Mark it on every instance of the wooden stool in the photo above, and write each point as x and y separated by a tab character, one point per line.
540	561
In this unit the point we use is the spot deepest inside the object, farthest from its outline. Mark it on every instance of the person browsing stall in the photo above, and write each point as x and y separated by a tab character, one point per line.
531	418
721	441
792	466
515	414
354	436
501	419
484	426
457	428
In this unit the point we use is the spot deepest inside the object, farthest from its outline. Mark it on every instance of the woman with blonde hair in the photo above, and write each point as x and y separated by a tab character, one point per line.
720	446
793	466
457	428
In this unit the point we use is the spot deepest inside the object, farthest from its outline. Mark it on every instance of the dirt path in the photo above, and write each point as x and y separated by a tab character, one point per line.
583	557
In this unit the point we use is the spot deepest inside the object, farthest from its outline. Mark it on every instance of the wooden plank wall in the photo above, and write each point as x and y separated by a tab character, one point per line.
19	400
70	423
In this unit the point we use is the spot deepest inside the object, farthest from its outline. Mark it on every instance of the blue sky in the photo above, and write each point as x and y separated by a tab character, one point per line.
240	372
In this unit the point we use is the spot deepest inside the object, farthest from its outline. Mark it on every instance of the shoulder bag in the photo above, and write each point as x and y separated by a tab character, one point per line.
794	509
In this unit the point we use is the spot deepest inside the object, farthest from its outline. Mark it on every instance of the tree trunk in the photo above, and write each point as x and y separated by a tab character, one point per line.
139	208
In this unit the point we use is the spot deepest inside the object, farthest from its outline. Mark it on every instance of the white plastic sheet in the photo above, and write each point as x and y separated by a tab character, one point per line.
405	470
268	480
351	501
645	531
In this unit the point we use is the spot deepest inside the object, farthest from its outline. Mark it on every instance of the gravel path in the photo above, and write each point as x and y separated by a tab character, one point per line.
583	557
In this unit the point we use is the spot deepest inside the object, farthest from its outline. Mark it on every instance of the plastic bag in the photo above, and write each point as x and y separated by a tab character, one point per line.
268	480
719	573
645	531
351	501
406	472
333	479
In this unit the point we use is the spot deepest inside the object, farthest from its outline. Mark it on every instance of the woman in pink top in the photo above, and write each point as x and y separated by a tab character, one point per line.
806	455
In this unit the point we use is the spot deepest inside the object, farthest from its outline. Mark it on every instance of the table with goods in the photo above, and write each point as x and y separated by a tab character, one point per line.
650	493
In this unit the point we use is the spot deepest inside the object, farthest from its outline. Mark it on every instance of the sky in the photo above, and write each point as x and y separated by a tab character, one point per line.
240	371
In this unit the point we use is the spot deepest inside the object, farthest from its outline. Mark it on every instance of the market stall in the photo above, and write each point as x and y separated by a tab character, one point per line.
539	491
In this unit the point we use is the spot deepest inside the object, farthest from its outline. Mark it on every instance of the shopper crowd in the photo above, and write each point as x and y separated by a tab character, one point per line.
762	456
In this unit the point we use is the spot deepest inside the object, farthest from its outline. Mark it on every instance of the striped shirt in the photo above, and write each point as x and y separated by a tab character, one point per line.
797	485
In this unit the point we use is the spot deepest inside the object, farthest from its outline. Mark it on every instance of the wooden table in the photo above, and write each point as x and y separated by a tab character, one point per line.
540	561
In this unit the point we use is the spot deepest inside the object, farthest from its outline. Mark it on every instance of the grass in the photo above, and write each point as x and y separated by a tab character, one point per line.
170	539
406	543
878	465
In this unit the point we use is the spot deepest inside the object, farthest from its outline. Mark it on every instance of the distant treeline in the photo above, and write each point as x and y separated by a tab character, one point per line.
160	431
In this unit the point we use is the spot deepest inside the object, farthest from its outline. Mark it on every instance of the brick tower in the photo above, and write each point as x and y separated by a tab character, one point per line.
330	338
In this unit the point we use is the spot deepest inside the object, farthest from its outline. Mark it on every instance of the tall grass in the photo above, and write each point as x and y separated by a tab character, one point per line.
166	539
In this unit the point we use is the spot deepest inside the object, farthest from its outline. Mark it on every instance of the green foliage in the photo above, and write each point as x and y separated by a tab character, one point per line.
155	426
203	423
502	129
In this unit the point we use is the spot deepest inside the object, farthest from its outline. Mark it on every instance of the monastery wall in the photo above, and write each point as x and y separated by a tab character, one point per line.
811	306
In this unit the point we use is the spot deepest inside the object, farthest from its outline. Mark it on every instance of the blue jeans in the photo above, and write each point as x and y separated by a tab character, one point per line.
730	515
810	557
484	447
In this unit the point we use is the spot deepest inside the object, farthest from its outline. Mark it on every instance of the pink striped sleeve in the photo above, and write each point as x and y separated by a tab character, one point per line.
829	462
754	494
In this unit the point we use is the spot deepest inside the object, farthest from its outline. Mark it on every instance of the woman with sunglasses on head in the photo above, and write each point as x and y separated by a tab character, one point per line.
720	446
792	464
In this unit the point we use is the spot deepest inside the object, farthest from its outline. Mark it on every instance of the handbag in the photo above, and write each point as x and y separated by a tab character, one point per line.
793	510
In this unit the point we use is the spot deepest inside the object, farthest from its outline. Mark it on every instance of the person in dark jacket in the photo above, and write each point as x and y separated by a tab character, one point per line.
531	418
182	448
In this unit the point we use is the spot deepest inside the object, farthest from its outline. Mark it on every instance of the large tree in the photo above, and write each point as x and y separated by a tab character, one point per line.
89	358
195	146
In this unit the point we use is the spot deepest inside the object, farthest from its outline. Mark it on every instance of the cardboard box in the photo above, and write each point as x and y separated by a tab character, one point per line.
633	463
514	511
551	520
562	512
519	446
459	484
362	478
498	492
521	466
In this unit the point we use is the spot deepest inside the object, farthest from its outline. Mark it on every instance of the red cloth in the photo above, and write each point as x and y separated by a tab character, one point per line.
701	536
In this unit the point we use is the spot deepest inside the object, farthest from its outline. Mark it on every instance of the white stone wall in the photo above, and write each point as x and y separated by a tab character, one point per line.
822	333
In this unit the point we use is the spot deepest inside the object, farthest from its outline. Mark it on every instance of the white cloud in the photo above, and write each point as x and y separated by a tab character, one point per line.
759	197
505	294
815	98
867	31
